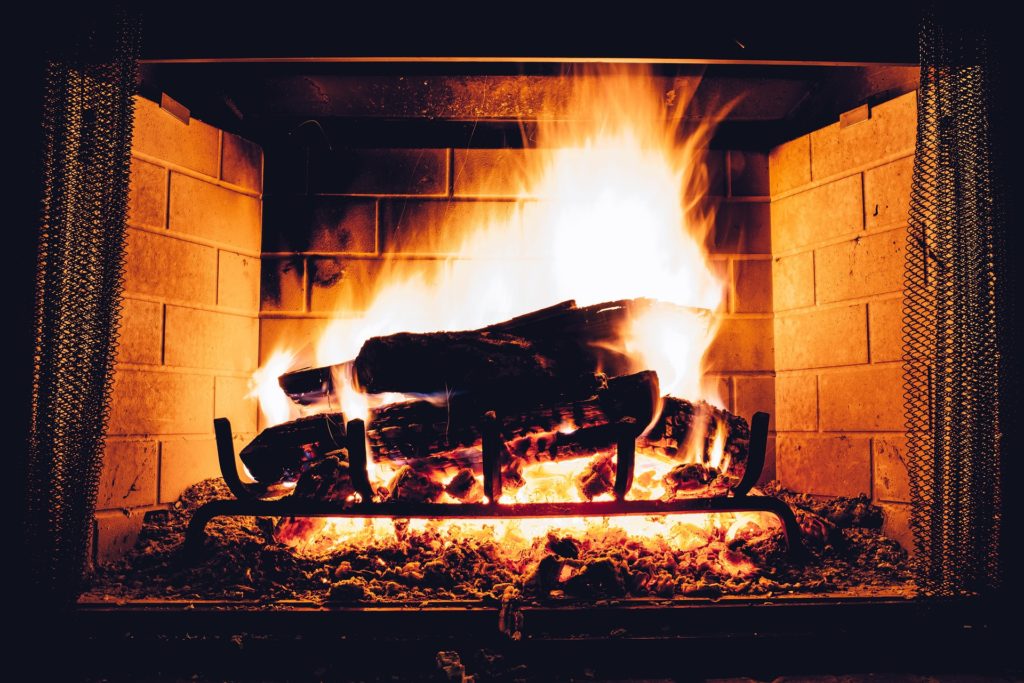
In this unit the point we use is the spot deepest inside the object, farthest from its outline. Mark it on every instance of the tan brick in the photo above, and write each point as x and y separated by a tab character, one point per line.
885	329
748	173
821	338
742	344
493	172
822	213
209	339
290	334
147	196
796	403
380	171
128	478
184	462
824	465
887	193
232	400
149	402
789	165
338	285
282	285
872	264
194	145
216	213
115	533
862	399
896	524
892	128
892	479
160	265
752	286
140	337
793	281
755	394
238	281
437	227
242	163
741	228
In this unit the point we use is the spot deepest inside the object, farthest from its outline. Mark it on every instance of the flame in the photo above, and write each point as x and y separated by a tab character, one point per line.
274	403
611	206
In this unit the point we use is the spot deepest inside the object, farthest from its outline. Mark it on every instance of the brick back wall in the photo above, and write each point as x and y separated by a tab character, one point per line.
332	217
839	207
189	336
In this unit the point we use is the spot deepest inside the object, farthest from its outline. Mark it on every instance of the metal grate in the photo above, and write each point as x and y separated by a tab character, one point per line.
87	120
950	316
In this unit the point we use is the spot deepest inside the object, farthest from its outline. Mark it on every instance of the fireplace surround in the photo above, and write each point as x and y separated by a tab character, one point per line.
207	298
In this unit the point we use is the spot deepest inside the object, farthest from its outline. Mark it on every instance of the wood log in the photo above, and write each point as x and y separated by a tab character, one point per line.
428	435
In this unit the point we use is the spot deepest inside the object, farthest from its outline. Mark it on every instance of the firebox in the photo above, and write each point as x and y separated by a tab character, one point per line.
509	353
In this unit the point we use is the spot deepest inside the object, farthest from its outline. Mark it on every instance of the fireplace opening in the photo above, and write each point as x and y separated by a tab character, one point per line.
524	353
585	333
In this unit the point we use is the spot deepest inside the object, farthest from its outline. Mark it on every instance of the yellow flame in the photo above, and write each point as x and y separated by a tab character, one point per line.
274	403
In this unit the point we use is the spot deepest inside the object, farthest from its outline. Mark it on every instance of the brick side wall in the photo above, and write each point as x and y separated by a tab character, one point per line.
331	217
840	200
189	334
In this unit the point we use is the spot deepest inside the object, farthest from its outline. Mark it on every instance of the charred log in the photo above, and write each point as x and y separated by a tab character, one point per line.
281	453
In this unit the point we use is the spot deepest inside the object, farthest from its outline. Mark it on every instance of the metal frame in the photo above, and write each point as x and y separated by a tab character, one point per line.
248	501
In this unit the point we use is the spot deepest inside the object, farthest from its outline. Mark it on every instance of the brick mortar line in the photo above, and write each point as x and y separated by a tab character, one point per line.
832	369
831	305
845	173
185	370
842	239
197	175
180	303
867	433
192	239
146	507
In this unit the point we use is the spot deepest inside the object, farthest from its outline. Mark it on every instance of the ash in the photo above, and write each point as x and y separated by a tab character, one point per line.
242	561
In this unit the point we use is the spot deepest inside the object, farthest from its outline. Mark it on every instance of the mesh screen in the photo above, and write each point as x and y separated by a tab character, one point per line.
87	121
951	314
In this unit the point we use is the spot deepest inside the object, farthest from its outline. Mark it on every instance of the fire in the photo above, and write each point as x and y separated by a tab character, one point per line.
611	206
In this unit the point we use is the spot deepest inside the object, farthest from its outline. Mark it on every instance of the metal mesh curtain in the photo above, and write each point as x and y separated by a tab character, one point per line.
87	127
955	312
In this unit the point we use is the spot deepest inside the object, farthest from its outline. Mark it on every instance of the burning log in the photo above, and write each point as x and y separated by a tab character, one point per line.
424	435
696	426
281	453
527	358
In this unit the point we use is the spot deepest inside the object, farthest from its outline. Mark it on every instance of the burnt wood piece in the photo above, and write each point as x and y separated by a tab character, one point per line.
426	435
542	352
279	453
681	421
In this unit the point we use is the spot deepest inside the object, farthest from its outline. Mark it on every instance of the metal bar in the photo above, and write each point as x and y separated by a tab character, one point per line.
228	465
491	449
625	457
310	508
356	436
755	454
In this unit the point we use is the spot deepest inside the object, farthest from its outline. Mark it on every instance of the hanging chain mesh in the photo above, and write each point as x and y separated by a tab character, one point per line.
87	121
951	364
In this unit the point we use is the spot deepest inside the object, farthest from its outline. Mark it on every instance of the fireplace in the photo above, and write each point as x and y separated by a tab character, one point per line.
283	213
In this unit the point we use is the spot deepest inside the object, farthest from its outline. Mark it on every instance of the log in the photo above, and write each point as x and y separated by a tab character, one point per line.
280	453
680	421
425	435
539	354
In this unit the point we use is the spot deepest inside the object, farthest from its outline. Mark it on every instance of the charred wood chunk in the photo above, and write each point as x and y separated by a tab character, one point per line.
328	479
597	477
688	479
411	486
694	427
282	452
465	486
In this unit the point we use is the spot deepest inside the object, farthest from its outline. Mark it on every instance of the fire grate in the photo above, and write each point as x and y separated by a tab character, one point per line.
248	497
